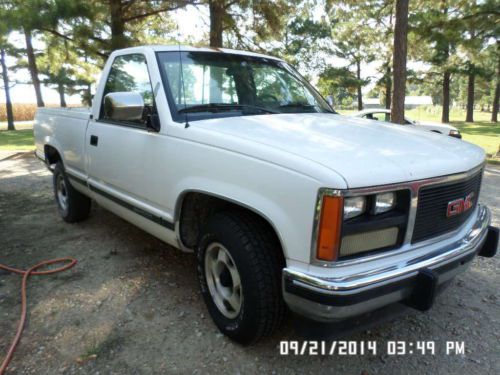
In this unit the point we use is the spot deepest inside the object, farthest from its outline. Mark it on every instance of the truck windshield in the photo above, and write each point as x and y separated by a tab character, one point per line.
212	84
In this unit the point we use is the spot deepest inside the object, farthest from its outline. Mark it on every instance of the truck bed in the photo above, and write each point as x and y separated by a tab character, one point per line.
74	112
70	125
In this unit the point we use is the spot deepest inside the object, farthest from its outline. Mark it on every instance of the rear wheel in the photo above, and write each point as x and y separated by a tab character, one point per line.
239	268
73	206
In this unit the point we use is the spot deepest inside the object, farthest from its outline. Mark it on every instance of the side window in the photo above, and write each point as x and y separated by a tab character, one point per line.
129	73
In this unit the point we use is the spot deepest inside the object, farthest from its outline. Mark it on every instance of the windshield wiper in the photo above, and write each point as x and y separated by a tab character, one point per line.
303	105
296	104
217	107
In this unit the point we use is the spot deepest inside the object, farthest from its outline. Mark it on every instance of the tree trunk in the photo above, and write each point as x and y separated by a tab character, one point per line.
470	98
217	11
60	90
360	94
399	62
445	116
8	102
388	86
88	97
216	8
118	39
33	68
496	98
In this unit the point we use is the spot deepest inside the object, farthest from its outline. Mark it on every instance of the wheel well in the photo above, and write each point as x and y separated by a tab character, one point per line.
52	156
195	210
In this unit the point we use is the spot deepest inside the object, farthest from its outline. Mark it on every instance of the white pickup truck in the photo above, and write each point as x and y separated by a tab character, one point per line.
234	156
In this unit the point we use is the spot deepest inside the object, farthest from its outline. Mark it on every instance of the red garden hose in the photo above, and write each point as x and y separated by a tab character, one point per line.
31	271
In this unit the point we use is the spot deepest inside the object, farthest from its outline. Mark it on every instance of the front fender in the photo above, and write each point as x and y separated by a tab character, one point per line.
290	216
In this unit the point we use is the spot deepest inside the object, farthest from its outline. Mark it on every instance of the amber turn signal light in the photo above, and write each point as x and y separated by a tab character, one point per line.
329	228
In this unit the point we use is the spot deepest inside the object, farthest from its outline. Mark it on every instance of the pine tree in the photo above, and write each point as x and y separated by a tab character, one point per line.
399	62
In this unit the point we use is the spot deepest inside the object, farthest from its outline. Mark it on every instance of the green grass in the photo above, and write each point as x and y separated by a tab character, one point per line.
13	140
481	132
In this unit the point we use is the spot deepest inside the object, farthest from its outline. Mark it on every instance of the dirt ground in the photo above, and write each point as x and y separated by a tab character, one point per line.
132	305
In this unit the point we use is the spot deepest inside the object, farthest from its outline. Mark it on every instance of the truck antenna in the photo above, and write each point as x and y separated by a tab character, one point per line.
182	77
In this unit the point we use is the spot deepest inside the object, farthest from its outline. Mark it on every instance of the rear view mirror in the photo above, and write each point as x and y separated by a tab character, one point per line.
123	106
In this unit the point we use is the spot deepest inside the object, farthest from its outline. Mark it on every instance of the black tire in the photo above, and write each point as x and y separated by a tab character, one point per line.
73	206
256	252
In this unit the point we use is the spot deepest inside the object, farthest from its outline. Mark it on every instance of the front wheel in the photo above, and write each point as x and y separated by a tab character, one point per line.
73	206
239	268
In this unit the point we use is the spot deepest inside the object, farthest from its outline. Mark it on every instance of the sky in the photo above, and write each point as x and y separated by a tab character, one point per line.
192	23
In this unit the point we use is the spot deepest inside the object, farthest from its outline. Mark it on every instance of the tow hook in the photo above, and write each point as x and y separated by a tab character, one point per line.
424	293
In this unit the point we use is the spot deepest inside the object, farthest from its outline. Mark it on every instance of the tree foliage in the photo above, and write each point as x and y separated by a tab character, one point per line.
66	42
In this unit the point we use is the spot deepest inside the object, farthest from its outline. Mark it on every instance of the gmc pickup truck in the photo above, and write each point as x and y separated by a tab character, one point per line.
287	205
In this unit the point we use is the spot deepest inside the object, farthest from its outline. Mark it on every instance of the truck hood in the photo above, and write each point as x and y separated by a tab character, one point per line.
363	153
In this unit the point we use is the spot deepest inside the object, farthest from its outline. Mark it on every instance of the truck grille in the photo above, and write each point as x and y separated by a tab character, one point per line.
431	219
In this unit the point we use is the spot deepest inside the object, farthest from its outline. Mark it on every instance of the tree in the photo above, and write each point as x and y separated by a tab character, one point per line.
218	12
19	15
306	43
496	97
354	39
4	47
30	16
6	87
385	22
124	14
452	37
340	83
479	25
233	17
64	68
435	39
399	62
33	68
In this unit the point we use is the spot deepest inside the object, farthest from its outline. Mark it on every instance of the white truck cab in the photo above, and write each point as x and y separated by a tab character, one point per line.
234	156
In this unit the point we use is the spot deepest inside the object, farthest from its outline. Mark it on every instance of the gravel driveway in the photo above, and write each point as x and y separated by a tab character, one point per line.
132	305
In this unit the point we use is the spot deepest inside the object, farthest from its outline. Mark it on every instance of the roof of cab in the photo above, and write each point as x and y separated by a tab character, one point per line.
159	48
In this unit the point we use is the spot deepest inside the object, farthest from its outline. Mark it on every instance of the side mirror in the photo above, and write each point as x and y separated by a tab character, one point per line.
123	106
329	99
153	122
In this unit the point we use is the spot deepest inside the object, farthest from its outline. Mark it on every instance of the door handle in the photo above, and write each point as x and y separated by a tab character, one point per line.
94	139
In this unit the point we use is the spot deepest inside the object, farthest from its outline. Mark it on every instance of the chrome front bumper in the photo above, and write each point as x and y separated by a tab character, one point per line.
331	298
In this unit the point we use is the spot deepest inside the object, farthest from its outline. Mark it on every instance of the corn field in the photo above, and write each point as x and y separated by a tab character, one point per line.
22	111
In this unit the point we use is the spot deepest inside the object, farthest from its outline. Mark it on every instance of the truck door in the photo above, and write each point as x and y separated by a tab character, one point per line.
116	149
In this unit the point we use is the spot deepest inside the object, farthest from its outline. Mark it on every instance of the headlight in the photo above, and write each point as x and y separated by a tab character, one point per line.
454	132
380	222
384	202
354	206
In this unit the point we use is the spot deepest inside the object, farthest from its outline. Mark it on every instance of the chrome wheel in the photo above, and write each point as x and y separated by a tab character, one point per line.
62	192
223	280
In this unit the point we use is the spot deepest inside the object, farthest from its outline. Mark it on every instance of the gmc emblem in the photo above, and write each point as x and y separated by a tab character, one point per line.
459	206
